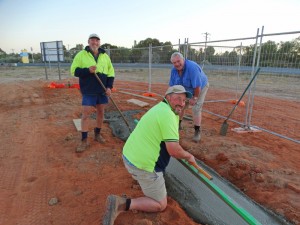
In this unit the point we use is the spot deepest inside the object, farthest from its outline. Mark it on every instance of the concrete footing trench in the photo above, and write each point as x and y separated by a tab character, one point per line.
212	202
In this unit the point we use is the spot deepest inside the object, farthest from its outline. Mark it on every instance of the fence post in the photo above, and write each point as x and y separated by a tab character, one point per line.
205	45
186	48
58	60
252	74
108	51
254	82
150	66
239	68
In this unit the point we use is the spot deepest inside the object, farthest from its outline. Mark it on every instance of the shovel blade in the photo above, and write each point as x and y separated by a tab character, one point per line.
224	128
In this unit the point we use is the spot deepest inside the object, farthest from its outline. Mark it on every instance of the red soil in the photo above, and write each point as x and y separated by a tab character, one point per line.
38	161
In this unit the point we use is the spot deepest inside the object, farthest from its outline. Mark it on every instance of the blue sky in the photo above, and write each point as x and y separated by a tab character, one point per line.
24	24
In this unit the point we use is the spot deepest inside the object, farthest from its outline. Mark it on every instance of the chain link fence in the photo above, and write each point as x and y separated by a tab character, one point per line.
230	65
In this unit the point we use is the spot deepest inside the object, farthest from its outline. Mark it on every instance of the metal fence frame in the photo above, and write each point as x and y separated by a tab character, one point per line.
257	40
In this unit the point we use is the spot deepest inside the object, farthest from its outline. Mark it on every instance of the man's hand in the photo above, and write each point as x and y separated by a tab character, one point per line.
191	159
108	92
175	150
193	101
92	69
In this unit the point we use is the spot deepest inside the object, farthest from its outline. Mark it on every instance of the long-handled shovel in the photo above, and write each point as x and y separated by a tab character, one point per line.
102	85
224	127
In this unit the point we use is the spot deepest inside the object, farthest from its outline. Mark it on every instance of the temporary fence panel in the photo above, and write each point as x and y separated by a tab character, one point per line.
276	92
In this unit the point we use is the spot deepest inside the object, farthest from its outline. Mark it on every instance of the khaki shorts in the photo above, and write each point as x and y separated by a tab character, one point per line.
197	108
152	184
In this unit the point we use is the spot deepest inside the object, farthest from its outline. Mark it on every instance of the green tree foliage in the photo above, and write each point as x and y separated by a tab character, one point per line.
210	51
145	43
67	54
37	57
209	55
140	53
289	52
283	54
166	51
267	52
109	46
74	51
9	58
161	52
247	53
2	53
119	55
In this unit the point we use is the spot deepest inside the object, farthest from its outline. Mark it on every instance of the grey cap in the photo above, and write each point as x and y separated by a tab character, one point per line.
94	36
178	89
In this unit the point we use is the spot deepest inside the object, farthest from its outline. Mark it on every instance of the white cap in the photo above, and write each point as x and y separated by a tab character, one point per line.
94	36
178	89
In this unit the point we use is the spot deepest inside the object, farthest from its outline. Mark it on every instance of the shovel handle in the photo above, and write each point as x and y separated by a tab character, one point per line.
102	85
202	171
100	82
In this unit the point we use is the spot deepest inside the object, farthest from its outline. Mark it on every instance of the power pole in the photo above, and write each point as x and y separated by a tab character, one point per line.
206	34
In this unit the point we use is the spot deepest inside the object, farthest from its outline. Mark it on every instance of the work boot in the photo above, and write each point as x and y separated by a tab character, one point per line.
114	206
82	146
99	138
197	136
180	125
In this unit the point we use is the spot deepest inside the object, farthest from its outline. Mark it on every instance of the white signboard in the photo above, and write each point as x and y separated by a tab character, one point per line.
52	51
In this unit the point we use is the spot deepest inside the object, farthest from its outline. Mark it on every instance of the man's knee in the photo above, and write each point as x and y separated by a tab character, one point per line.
163	207
163	204
85	116
100	109
197	109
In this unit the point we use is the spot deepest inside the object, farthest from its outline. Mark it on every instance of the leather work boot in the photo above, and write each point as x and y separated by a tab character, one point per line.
99	138
197	136
114	206
180	127
82	146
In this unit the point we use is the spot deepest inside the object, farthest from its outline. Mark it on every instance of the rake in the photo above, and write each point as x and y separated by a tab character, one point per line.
224	127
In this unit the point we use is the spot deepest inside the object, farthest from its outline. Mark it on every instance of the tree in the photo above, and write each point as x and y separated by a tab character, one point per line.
233	57
248	53
210	51
119	55
67	55
73	51
2	53
109	46
267	51
296	50
162	54
289	52
37	57
145	43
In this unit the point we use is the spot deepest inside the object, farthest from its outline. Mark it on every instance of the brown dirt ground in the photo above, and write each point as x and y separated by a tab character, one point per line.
38	162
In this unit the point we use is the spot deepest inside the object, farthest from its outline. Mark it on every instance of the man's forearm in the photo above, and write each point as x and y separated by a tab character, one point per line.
179	153
197	91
